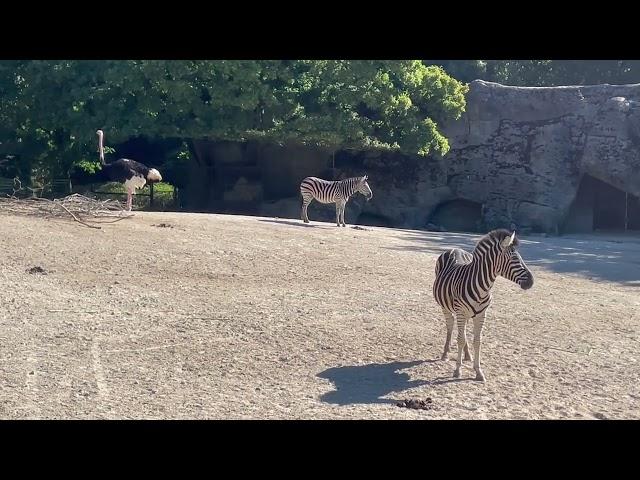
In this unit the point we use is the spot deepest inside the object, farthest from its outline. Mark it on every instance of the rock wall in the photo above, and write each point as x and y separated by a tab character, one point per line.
522	152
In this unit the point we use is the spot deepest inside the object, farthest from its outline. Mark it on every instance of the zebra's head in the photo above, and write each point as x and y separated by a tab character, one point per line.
509	263
364	189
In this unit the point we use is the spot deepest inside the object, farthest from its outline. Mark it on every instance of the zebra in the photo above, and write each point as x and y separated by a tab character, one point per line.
337	192
463	283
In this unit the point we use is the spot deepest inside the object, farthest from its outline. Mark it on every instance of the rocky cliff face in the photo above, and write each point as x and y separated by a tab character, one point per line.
521	152
517	156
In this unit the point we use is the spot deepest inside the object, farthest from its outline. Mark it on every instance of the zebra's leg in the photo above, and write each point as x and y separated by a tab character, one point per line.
339	212
478	321
462	340
305	205
448	316
344	207
467	354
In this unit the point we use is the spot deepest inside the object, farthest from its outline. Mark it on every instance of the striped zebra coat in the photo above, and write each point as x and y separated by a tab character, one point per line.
338	192
463	285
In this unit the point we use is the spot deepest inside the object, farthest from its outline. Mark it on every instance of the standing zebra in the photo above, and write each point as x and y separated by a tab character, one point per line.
337	192
463	287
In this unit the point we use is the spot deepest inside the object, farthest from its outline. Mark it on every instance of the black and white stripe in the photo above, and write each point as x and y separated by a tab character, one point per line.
338	192
463	287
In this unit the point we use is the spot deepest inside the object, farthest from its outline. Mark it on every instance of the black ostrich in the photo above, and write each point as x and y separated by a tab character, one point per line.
129	172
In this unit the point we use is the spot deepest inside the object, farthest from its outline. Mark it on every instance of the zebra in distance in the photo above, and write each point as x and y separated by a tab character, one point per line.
338	192
463	283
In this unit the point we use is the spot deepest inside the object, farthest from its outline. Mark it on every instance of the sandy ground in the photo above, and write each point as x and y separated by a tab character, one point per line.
244	317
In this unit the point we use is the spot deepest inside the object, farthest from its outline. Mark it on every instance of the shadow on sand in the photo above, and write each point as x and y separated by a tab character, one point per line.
369	383
298	223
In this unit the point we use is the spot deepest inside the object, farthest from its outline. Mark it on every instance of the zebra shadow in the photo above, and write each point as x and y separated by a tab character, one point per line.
368	383
298	223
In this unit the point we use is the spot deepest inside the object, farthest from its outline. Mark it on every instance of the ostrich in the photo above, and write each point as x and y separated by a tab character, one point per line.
131	173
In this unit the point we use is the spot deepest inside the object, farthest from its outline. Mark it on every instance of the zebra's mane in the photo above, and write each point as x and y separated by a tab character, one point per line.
497	236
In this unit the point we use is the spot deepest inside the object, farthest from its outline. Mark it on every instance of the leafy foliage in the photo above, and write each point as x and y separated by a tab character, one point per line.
50	110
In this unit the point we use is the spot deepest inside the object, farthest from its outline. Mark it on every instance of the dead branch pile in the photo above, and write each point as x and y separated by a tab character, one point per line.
84	210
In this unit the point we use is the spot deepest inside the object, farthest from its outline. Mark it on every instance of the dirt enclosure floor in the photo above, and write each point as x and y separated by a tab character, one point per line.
193	316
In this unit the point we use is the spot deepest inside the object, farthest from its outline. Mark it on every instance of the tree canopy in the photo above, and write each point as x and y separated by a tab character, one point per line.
50	110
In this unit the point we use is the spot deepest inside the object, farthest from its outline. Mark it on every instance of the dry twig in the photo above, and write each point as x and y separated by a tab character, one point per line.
84	210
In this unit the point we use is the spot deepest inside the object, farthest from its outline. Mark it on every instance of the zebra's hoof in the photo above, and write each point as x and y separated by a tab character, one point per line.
456	373
444	357
480	377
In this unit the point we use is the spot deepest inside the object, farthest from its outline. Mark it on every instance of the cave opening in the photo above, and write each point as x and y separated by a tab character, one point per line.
599	206
458	215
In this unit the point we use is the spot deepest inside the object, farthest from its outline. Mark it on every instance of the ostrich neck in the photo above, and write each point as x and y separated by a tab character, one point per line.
101	148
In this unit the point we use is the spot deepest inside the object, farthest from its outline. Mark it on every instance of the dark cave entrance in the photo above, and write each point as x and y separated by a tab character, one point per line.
599	206
458	215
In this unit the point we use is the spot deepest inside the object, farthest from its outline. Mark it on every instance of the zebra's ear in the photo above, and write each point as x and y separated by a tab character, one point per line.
508	240
364	179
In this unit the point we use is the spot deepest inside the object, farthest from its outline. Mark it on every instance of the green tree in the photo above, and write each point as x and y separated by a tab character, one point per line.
51	109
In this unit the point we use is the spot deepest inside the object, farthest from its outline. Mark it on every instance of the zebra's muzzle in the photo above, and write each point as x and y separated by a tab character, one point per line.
526	283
